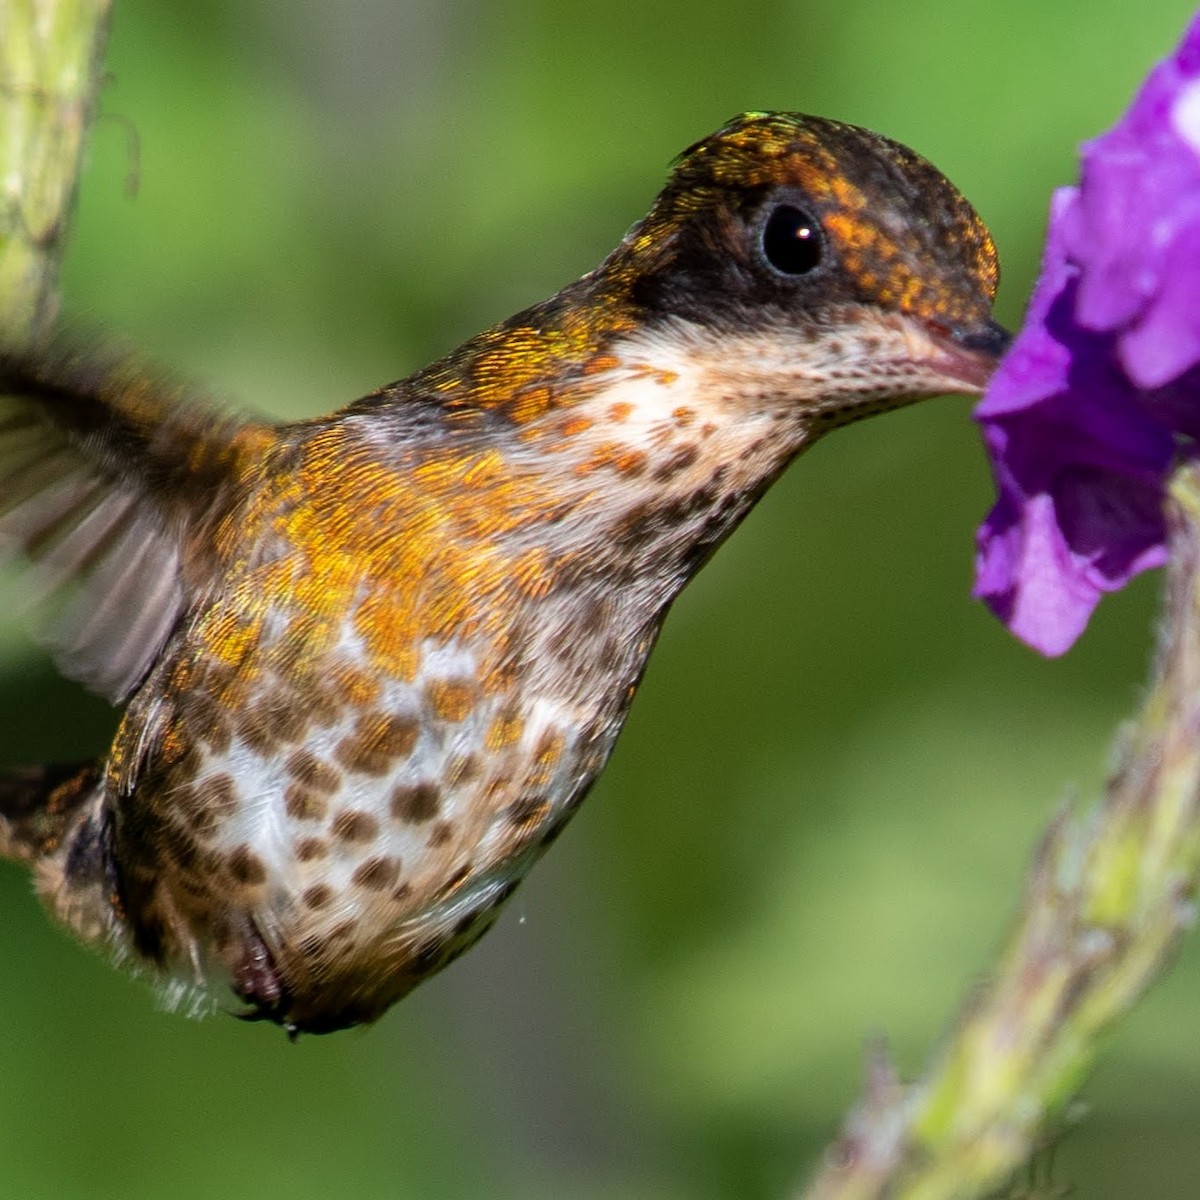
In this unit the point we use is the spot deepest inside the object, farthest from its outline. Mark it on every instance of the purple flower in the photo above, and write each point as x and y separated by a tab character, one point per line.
1100	391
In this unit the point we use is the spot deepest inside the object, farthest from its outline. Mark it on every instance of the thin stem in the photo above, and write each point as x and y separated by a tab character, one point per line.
1109	894
50	71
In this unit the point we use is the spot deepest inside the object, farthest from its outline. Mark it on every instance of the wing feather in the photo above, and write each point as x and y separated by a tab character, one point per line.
105	475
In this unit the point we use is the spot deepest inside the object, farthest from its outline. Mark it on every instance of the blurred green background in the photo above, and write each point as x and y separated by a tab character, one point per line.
816	823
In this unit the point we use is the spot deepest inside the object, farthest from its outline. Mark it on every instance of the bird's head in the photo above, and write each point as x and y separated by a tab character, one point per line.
794	274
826	256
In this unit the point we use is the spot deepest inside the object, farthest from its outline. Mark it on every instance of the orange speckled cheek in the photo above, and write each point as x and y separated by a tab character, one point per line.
845	194
853	237
880	269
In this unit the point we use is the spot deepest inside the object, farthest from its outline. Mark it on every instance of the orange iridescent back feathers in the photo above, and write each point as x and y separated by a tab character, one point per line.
372	662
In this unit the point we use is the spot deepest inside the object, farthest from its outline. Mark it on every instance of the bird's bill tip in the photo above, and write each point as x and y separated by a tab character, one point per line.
964	356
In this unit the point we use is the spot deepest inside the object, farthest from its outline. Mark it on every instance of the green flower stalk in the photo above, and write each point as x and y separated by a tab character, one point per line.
1109	895
1092	423
50	70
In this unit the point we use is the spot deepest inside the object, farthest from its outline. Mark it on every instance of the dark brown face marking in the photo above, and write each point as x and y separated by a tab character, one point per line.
354	825
415	803
246	867
377	741
441	833
377	874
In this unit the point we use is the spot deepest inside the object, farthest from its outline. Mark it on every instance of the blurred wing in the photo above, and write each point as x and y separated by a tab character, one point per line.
103	472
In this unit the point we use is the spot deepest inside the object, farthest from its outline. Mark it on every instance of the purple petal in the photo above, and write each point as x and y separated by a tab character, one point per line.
1101	390
1112	524
1140	181
1025	574
1079	512
1166	341
1036	364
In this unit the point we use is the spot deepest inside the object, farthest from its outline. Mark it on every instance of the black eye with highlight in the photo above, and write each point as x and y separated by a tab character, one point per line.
792	242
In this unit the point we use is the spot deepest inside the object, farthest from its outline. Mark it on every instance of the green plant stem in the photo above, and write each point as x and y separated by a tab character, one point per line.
50	71
1109	894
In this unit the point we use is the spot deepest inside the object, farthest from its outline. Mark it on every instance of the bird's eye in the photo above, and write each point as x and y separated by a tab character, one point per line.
791	240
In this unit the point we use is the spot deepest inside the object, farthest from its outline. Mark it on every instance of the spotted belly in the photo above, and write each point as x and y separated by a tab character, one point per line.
324	852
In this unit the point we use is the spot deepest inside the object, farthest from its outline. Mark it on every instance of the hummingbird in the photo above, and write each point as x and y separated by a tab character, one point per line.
369	664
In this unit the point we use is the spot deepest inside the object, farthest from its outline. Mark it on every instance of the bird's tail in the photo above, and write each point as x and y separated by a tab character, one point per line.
54	819
39	807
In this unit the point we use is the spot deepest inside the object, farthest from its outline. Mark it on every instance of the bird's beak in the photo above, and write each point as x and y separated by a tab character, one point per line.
965	356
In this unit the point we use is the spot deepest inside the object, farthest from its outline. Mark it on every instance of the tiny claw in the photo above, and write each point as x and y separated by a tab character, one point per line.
256	981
